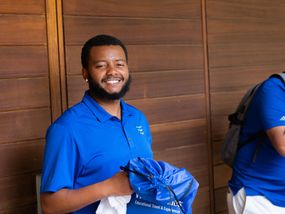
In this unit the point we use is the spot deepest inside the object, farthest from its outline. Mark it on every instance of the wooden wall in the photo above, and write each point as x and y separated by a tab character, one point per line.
191	60
24	101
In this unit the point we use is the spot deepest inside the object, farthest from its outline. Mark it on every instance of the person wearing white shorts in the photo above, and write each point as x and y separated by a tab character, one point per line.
242	204
257	185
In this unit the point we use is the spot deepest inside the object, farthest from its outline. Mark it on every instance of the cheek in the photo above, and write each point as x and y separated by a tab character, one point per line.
97	77
126	74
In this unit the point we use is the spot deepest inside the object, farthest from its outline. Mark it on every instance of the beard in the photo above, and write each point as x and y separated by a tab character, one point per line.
97	91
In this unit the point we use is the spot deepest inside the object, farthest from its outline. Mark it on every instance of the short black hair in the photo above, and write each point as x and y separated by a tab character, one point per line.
99	40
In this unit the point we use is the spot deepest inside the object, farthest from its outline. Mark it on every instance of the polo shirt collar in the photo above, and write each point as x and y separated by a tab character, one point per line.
126	109
99	112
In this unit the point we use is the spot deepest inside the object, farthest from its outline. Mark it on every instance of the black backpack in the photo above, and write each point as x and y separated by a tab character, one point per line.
232	139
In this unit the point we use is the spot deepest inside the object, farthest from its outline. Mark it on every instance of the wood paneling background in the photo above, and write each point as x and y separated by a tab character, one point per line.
24	102
190	60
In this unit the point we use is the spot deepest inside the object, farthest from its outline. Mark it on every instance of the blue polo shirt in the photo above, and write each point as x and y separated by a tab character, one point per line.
87	145
258	167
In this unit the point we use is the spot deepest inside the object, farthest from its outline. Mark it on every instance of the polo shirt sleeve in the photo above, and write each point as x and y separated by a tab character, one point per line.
59	159
271	102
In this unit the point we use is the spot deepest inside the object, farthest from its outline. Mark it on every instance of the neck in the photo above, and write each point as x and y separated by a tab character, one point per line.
113	107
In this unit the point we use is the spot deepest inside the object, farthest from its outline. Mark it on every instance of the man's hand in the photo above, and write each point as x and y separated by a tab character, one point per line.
119	184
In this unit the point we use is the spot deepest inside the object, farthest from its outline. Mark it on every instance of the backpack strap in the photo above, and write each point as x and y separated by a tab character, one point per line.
238	116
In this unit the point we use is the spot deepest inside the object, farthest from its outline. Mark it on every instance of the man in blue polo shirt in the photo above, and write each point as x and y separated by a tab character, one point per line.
86	146
258	180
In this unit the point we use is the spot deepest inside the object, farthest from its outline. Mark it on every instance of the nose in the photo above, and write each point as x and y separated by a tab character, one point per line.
111	69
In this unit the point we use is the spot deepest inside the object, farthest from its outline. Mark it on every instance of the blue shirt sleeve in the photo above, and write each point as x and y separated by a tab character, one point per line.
59	159
271	104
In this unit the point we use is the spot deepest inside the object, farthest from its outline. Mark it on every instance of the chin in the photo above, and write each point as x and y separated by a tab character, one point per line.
113	91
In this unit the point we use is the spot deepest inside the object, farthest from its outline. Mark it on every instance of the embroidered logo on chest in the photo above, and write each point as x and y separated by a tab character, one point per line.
140	130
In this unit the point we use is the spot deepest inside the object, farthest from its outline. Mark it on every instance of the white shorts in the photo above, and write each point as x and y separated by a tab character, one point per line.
242	204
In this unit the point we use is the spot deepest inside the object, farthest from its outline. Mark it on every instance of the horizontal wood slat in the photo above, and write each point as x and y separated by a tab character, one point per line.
18	194
147	8
23	61
235	31
24	93
178	134
225	103
23	125
166	83
148	84
140	31
262	9
247	55
233	79
172	109
192	158
22	30
20	158
145	58
20	6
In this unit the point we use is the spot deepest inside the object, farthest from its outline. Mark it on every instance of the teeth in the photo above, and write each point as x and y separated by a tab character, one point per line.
112	81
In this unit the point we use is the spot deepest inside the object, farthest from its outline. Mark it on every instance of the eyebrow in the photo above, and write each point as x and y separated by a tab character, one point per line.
117	60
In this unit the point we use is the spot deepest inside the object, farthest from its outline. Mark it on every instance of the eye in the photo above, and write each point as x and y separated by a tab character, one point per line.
100	65
120	64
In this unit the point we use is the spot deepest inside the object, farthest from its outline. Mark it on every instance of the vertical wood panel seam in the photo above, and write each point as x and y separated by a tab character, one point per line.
64	97
53	59
208	101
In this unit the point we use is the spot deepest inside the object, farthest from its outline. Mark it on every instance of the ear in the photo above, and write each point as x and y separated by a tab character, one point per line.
85	74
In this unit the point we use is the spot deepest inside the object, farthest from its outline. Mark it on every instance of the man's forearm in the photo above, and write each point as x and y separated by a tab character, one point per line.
277	138
66	200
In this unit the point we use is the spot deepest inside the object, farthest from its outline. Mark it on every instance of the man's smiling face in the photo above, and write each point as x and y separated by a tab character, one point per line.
108	72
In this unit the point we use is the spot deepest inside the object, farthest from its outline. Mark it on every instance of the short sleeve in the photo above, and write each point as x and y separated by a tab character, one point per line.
271	102
59	162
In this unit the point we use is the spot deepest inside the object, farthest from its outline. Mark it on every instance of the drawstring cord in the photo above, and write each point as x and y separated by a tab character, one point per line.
176	199
170	190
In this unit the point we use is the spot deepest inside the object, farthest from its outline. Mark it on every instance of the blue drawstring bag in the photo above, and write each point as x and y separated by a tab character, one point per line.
162	183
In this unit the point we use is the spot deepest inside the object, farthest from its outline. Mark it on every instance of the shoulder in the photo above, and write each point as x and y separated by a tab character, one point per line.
70	116
271	86
274	83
